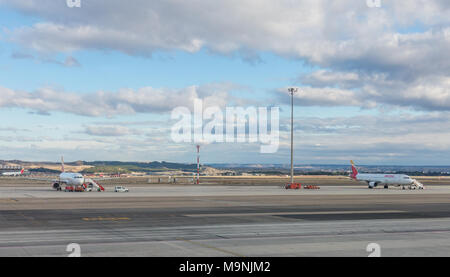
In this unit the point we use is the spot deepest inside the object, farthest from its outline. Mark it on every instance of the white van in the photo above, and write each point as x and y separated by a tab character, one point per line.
120	189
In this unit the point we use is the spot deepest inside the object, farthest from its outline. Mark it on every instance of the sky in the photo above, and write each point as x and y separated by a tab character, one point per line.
100	82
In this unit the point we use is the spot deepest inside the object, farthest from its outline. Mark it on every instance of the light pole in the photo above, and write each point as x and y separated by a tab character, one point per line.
198	164
292	91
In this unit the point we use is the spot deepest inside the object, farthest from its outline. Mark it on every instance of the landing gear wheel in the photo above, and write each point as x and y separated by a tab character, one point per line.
386	187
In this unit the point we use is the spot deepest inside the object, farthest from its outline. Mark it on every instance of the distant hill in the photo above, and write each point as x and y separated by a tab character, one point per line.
333	169
150	165
43	170
102	166
111	167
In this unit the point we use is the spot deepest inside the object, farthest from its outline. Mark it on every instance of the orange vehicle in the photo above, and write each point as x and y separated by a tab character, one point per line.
294	186
79	189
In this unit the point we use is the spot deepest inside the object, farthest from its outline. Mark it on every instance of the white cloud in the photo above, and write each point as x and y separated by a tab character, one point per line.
309	96
122	102
71	62
403	42
110	131
321	88
320	31
68	62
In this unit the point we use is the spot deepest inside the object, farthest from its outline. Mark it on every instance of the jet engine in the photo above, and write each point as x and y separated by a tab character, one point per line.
57	186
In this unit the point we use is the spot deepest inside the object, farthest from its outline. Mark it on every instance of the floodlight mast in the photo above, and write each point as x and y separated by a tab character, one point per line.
198	164
292	91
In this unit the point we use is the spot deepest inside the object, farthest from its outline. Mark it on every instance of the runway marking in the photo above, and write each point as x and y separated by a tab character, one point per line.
212	247
295	213
9	200
105	218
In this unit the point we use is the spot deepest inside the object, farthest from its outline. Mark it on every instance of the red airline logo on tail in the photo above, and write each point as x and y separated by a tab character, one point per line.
354	171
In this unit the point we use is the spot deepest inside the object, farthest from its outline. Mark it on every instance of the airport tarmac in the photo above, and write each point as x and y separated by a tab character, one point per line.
175	190
225	221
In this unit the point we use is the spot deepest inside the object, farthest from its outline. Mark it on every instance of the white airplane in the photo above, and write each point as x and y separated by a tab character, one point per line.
373	180
73	179
13	174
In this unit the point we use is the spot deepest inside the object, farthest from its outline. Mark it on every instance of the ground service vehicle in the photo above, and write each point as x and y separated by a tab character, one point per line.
79	189
120	189
294	186
69	188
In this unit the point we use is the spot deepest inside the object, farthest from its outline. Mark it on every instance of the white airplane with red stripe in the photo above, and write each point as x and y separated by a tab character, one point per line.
72	179
13	174
386	180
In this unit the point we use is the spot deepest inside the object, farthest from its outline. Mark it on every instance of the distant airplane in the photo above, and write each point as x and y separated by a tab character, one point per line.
374	180
14	174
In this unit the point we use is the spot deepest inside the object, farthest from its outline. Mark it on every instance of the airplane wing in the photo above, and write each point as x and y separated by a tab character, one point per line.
42	179
103	179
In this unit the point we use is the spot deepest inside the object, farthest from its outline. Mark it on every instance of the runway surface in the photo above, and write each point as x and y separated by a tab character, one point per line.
225	221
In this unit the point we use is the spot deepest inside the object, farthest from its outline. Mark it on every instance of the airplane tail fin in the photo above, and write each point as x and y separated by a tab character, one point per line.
22	171
354	170
62	165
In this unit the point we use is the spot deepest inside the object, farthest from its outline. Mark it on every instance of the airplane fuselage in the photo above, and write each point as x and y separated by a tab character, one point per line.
73	179
385	179
13	174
